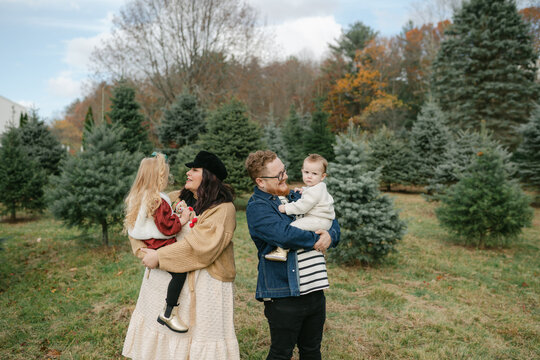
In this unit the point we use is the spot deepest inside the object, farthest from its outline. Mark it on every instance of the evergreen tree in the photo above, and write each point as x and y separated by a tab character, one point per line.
370	226
293	136
23	119
527	155
355	38
318	138
183	122
485	208
21	177
429	138
88	124
459	155
486	68
232	136
91	187
125	112
273	138
392	155
42	145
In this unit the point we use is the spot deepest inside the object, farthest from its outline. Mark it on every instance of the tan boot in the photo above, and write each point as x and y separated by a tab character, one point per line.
278	254
169	317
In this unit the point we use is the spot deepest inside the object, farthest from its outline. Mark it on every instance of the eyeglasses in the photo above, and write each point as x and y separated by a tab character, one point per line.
279	176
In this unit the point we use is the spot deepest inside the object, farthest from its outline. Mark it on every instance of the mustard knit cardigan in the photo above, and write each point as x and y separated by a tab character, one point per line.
207	246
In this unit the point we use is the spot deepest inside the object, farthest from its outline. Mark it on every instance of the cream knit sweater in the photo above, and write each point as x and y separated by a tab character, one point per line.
207	246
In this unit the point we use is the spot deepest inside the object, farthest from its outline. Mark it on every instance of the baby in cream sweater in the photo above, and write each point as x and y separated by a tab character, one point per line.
315	210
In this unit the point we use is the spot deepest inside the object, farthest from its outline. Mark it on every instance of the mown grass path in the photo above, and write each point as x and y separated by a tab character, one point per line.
67	297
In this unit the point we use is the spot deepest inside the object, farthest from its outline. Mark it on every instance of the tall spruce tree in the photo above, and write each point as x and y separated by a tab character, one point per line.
486	68
392	155
183	122
293	136
21	177
370	226
42	145
88	124
318	138
232	136
429	138
125	112
527	155
485	208
91	187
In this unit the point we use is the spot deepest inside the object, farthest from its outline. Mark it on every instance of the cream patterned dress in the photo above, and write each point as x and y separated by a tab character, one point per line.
211	334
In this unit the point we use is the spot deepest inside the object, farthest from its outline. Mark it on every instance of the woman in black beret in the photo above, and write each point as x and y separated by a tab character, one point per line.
206	254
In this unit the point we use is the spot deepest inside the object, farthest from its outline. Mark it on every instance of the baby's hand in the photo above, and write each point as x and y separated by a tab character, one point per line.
179	207
184	215
298	190
281	208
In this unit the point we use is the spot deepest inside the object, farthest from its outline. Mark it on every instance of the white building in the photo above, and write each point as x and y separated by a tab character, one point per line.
10	113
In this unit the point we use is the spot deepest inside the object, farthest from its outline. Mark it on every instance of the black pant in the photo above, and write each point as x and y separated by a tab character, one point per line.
296	320
175	287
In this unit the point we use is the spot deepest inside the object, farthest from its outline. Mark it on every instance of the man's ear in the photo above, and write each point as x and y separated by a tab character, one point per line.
260	183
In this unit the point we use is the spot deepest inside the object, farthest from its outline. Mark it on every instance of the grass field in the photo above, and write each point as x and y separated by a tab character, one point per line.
63	296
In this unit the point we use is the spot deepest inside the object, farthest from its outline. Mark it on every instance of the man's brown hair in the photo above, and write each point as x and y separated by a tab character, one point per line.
313	158
256	162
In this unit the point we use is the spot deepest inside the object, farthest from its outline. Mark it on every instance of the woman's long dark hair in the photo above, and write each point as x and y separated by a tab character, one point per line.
211	192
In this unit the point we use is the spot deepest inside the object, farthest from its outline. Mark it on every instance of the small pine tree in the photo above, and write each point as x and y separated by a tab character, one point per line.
370	226
125	112
232	136
273	138
429	139
485	208
21	177
42	145
527	155
392	155
88	124
318	138
23	119
182	123
459	155
293	136
91	187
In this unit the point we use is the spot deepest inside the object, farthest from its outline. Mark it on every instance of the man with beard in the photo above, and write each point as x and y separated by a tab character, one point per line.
292	291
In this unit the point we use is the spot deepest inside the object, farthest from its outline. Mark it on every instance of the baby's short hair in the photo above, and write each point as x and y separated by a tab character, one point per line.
317	158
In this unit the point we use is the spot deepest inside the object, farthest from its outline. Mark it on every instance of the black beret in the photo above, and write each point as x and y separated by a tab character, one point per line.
210	162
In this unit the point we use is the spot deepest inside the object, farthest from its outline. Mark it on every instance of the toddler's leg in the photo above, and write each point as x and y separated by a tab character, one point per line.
278	254
167	317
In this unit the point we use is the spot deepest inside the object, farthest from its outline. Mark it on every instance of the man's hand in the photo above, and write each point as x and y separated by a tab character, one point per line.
151	259
324	241
281	208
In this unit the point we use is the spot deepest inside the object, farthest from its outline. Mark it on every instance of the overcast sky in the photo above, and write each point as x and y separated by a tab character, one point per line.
45	44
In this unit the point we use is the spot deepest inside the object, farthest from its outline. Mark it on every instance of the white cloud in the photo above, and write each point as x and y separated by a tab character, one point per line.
308	35
26	103
64	85
78	51
278	11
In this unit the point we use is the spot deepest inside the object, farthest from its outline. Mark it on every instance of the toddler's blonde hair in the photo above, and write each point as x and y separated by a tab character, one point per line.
152	178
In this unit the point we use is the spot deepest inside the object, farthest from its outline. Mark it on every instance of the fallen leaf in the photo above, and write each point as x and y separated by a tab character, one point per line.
54	353
120	273
73	269
53	290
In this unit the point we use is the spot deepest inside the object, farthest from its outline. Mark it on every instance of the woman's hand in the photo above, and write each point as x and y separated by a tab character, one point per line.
150	259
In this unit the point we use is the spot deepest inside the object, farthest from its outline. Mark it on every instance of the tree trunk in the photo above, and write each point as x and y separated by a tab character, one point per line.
104	233
13	213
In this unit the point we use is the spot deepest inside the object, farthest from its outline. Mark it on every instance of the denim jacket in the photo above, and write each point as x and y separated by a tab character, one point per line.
270	228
